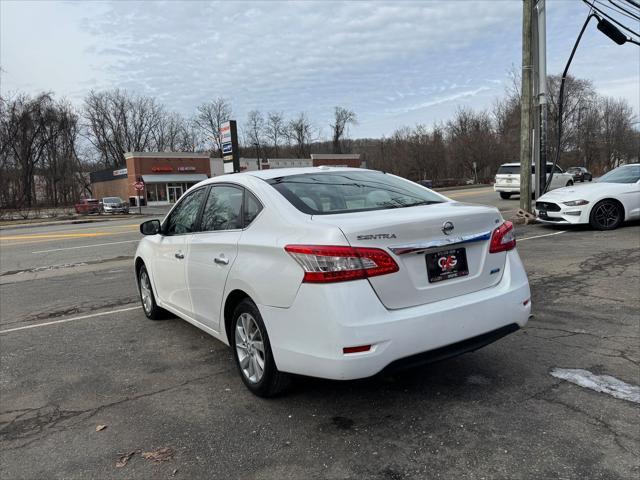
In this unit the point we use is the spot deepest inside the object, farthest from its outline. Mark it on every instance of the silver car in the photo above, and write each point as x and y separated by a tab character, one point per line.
114	205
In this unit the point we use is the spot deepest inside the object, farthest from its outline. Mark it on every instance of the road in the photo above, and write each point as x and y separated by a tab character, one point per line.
90	357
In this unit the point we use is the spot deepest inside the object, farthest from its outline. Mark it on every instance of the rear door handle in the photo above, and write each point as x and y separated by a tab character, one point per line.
179	255
221	261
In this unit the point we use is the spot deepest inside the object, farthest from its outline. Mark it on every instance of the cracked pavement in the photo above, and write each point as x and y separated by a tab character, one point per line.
494	413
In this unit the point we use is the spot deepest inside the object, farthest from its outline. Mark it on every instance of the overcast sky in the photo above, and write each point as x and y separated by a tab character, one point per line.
393	63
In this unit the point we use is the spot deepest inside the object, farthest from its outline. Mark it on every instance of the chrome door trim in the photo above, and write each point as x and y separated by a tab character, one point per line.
443	242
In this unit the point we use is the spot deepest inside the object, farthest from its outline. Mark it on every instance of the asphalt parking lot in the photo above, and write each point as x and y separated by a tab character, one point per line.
77	352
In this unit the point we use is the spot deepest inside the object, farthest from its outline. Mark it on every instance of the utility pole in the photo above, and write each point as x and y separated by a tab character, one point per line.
525	107
540	45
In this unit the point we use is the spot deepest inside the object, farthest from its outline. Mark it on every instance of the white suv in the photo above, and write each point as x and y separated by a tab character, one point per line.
508	179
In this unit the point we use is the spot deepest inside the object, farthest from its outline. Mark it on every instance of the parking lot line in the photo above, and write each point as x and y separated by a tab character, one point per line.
86	246
540	236
65	320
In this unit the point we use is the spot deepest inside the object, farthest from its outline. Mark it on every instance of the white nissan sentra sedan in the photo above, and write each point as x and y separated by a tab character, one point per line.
332	272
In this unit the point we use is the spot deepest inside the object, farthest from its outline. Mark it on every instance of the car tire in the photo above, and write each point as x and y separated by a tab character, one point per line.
606	215
252	352
148	299
570	183
505	195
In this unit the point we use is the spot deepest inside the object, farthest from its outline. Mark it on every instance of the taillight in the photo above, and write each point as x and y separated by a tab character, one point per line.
324	264
503	238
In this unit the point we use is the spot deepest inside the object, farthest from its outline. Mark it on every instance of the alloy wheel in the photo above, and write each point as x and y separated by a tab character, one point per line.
250	347
145	292
606	215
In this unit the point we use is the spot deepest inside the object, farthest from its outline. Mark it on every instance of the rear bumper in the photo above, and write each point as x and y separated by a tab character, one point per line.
308	337
507	188
453	350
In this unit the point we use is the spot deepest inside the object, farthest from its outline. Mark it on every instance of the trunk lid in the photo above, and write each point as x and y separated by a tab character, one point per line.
409	234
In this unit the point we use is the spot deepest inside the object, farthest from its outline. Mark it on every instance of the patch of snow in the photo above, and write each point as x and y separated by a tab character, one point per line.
600	383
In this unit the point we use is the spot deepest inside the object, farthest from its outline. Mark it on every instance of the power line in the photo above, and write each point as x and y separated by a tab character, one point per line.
612	19
621	10
633	2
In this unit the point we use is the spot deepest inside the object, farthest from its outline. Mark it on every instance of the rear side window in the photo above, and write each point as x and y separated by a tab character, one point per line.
252	208
223	210
326	193
509	170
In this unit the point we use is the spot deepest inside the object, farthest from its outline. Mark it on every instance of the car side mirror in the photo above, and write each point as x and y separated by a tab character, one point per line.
150	227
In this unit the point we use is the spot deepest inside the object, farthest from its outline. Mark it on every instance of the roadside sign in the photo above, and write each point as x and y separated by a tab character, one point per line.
230	152
225	133
139	186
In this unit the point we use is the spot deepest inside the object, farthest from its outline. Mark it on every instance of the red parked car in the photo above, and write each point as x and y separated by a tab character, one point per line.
88	205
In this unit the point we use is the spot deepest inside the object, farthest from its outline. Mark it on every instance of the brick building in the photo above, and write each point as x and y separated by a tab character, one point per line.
166	176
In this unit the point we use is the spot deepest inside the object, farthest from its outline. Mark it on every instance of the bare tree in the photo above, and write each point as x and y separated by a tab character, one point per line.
578	94
38	159
254	129
506	117
24	127
275	130
59	164
472	140
300	132
119	122
175	134
616	132
342	119
209	118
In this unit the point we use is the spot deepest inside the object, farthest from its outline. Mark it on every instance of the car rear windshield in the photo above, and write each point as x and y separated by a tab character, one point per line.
509	170
326	193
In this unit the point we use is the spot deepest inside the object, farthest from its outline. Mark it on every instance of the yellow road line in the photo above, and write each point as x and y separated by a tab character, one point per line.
4	245
99	225
466	194
8	241
56	236
66	235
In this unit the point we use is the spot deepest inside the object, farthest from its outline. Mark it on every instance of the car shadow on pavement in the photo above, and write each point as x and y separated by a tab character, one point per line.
459	377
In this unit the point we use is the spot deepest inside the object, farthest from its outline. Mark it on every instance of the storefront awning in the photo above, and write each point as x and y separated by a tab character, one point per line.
174	177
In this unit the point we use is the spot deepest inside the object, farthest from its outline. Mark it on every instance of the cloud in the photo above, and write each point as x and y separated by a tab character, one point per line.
392	62
441	100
